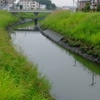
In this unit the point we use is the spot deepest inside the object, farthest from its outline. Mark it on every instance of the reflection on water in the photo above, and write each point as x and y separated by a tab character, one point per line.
32	27
93	82
72	77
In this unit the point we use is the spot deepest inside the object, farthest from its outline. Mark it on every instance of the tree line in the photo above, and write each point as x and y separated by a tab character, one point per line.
48	3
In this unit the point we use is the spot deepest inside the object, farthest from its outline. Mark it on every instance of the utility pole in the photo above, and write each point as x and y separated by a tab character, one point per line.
73	3
78	5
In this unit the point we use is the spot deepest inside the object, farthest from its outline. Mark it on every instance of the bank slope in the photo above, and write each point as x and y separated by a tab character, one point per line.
19	78
79	29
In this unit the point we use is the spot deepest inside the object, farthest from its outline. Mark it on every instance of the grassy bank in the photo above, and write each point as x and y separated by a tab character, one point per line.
79	29
30	15
19	78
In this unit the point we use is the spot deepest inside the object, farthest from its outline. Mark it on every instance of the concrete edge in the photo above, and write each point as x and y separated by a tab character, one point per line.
72	49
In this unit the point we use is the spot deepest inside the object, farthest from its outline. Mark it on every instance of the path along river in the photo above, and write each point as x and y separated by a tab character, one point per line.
72	77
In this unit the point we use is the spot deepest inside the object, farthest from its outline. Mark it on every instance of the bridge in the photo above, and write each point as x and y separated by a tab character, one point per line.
30	11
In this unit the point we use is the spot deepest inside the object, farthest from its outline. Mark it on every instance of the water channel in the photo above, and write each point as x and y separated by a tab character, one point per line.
72	77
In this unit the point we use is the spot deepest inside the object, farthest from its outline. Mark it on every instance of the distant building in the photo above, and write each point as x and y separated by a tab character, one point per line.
29	4
82	3
65	7
3	2
7	2
94	3
69	8
11	3
42	7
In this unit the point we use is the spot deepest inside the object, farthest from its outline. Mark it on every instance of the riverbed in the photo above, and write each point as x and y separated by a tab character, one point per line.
72	77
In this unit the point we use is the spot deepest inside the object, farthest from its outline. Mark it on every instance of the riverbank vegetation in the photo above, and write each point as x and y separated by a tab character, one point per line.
19	78
6	19
79	29
30	15
24	25
88	64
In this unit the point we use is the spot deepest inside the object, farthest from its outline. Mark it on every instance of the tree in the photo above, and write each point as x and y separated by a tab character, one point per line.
53	6
98	8
48	3
21	7
86	8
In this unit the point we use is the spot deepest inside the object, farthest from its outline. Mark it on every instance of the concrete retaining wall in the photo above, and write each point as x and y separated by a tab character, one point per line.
57	39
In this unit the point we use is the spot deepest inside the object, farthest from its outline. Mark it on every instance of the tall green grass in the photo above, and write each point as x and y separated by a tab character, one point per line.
8	89
6	19
78	26
19	78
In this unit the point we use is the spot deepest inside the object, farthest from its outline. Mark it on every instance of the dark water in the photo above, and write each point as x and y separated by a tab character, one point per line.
73	77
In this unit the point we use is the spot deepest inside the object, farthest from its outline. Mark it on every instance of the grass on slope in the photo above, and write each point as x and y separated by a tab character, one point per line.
6	19
19	78
79	29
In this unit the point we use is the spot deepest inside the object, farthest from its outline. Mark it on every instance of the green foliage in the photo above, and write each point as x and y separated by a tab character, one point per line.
9	19
48	3
88	64
25	15
98	8
19	78
21	7
86	8
9	90
53	6
24	25
77	26
31	15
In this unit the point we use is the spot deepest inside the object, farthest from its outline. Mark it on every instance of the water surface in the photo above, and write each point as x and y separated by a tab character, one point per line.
72	77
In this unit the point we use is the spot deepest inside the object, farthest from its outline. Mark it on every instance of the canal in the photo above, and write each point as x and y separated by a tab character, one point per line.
72	77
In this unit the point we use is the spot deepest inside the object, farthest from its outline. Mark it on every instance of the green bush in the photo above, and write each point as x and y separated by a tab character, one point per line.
98	8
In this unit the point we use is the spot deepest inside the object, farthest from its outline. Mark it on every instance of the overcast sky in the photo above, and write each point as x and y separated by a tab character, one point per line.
63	2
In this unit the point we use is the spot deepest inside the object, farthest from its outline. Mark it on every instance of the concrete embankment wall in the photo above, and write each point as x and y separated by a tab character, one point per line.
18	23
53	36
